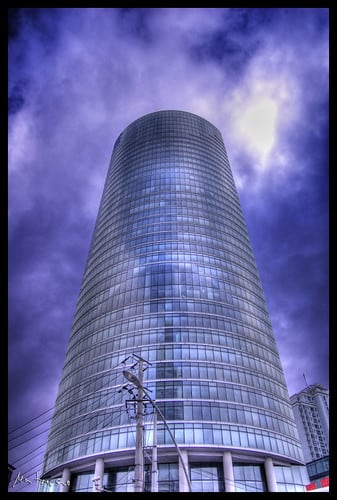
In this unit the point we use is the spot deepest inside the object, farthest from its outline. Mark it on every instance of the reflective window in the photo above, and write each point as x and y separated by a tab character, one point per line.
119	479
249	478
168	477
171	276
206	477
82	482
291	479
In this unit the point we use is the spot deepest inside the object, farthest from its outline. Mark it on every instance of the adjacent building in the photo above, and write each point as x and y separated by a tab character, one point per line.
171	278
311	412
318	471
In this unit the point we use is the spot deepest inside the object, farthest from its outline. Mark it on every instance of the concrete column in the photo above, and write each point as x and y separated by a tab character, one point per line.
98	475
228	471
270	474
64	488
183	485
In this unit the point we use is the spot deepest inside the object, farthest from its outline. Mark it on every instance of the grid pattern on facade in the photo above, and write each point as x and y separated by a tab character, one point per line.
171	275
290	479
318	468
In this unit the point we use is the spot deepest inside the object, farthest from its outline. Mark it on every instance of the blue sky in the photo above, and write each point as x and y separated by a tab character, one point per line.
78	77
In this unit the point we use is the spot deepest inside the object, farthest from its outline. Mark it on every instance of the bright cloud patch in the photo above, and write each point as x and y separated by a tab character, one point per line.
257	125
21	143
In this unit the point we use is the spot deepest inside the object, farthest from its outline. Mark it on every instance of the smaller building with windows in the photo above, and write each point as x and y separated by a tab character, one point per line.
311	412
318	471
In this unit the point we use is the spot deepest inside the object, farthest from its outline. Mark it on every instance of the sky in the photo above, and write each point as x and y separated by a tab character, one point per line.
76	78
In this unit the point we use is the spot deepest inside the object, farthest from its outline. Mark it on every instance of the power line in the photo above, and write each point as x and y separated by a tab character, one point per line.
35	418
16	461
25	474
239	485
27	440
88	382
35	427
29	430
116	417
106	420
32	451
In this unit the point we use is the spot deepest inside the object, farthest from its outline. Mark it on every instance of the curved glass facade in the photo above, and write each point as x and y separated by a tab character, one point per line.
171	276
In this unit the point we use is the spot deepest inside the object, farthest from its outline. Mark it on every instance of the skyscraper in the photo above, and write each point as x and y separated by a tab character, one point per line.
311	412
171	277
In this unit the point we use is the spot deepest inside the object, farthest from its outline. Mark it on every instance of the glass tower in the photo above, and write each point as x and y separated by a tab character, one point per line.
171	278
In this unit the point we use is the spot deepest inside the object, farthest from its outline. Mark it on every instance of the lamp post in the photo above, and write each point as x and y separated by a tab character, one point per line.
135	381
139	458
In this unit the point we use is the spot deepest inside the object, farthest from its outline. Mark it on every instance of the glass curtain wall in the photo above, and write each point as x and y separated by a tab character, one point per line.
171	276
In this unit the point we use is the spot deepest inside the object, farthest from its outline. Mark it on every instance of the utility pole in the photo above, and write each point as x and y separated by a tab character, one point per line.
134	380
139	457
154	469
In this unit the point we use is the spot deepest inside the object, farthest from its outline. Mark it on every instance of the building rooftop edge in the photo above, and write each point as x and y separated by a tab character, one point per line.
311	388
163	111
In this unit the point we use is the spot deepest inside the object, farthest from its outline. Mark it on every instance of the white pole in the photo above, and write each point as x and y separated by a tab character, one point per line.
139	458
154	470
133	379
173	439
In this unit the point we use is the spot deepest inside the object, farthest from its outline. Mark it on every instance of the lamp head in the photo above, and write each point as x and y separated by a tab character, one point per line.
132	378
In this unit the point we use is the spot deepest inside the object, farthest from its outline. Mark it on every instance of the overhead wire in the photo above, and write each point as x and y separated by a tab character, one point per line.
107	417
88	382
25	474
106	420
24	485
29	430
31	420
238	485
28	470
30	458
25	442
43	444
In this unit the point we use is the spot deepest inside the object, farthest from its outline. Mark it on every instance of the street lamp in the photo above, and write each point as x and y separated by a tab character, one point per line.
134	380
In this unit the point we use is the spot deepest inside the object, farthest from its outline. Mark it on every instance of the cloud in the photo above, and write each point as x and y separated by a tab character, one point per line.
101	50
78	77
257	125
22	143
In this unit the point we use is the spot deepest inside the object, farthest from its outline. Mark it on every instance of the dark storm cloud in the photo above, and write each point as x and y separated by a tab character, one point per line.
290	244
78	77
287	217
16	98
135	23
42	291
228	44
